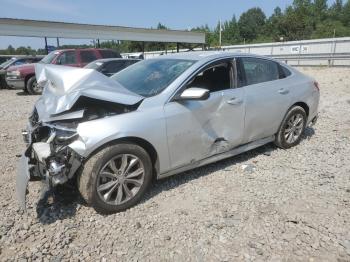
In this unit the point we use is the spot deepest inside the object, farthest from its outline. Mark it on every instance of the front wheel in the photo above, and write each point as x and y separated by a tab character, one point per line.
33	87
115	178
292	127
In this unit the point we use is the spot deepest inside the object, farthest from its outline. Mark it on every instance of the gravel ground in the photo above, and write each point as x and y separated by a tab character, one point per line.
267	204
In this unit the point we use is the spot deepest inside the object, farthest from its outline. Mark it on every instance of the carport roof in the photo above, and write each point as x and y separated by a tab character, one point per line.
37	28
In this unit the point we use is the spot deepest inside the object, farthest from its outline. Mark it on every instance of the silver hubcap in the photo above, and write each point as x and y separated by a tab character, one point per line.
120	179
294	128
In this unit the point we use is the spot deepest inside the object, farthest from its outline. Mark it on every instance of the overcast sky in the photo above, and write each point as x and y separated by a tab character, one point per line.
178	14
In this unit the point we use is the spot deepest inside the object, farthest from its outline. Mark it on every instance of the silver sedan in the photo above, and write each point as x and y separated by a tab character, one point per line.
158	118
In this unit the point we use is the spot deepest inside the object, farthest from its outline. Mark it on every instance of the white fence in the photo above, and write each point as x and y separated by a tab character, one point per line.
318	52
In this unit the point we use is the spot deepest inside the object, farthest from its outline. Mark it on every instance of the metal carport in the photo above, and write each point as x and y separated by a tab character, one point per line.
36	28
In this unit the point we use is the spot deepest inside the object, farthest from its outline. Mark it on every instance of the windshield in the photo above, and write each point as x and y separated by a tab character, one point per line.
6	63
49	58
151	77
94	65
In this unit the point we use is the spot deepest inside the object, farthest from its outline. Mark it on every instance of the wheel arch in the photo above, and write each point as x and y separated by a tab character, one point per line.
302	105
26	79
150	149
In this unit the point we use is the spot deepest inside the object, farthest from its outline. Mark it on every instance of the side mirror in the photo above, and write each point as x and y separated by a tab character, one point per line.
194	93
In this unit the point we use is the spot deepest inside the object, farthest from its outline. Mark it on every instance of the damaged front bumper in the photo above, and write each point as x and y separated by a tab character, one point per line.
46	158
22	180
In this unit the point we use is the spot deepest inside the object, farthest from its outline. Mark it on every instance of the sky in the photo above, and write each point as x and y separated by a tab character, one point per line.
178	14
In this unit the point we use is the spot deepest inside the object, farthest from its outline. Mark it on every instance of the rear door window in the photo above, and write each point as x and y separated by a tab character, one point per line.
67	58
258	70
114	67
131	62
87	56
109	54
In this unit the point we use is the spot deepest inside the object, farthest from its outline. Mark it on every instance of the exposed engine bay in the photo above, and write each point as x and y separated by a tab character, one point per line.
49	154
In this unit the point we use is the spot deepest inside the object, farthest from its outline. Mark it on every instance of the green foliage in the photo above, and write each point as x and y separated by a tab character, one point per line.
251	24
303	19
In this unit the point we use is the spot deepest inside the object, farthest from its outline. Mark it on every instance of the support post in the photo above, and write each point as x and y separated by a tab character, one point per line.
177	47
143	50
98	43
46	47
58	42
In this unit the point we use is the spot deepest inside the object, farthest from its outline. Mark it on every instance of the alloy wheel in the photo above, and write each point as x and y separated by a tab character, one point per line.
120	179
294	128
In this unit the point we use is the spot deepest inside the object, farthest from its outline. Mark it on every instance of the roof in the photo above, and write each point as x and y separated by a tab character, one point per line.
88	48
206	55
116	59
38	28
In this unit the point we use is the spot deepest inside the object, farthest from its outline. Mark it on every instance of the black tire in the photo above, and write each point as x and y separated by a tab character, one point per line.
3	84
32	86
281	140
89	176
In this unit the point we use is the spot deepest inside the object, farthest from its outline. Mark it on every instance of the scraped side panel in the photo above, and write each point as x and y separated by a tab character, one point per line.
200	129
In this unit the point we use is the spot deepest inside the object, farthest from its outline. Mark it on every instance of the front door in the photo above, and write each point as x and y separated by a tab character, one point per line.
200	129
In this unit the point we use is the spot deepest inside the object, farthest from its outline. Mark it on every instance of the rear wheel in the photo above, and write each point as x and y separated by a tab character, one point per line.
115	178
33	87
292	127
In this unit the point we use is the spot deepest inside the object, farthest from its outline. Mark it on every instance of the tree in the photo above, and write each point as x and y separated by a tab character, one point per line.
320	9
336	10
230	32
346	14
251	23
11	50
273	24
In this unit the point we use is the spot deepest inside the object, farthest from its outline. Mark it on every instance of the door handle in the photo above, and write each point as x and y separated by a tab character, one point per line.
235	101
283	91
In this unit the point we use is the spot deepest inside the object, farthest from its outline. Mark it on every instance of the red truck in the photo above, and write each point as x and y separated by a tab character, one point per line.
23	76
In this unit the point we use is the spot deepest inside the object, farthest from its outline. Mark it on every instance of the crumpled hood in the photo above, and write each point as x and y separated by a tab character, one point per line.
63	86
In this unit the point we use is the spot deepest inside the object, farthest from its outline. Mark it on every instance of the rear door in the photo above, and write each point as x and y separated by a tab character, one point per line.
267	96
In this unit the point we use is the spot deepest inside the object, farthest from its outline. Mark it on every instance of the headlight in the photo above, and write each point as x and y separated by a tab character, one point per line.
14	73
61	135
64	136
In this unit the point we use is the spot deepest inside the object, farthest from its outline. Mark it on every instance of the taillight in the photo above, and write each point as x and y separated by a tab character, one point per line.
317	85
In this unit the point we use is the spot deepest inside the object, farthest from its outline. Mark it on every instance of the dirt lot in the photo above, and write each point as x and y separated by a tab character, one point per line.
292	205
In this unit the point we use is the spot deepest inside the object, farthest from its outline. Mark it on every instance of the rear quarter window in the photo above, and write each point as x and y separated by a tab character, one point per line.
284	72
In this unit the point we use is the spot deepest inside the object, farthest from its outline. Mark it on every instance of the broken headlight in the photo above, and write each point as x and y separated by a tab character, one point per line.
65	136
